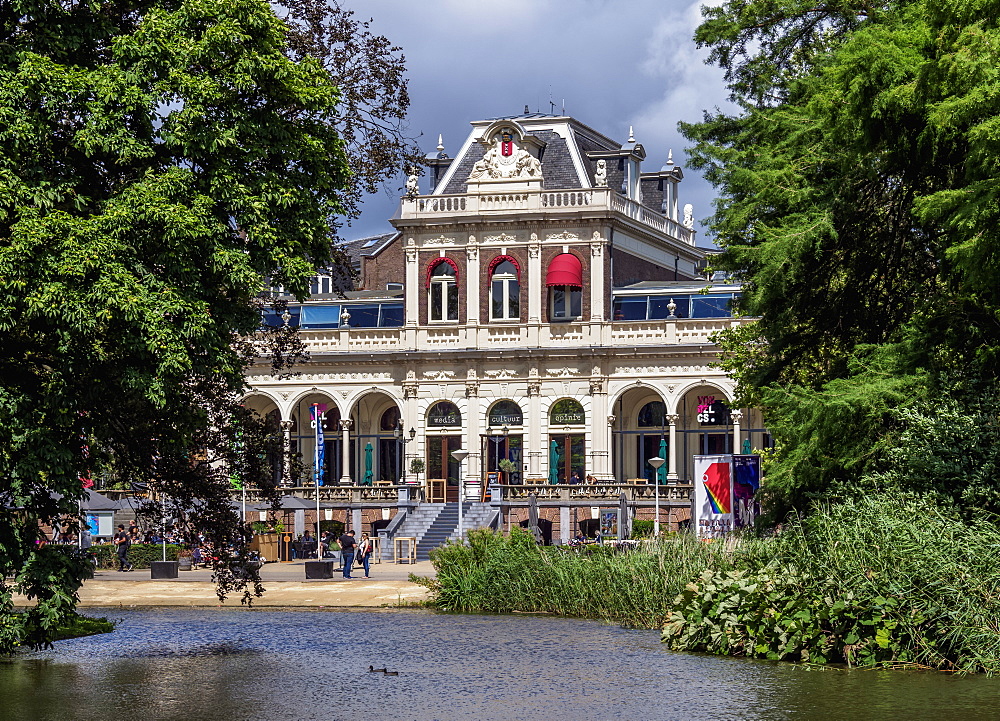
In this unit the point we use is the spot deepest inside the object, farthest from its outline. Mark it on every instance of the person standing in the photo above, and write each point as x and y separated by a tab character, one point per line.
365	552
123	541
347	546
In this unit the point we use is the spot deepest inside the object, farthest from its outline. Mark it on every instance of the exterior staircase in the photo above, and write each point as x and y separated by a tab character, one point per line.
434	524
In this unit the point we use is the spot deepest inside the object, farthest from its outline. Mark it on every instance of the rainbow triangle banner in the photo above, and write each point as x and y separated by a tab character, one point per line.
717	482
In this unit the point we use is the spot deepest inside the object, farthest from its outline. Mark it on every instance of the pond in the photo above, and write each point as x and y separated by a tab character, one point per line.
207	664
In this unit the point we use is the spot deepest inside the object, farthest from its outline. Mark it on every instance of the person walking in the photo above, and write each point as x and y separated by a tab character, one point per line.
365	552
123	541
347	546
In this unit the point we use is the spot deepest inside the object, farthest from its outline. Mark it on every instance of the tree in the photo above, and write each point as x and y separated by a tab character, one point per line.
858	206
161	163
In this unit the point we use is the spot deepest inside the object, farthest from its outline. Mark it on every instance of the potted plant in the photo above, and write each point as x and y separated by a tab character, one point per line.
185	559
507	466
416	468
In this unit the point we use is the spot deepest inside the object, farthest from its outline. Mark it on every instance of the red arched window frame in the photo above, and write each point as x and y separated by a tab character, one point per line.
500	259
435	264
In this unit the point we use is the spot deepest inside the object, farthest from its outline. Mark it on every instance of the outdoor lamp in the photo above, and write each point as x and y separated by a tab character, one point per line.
656	462
460	455
413	433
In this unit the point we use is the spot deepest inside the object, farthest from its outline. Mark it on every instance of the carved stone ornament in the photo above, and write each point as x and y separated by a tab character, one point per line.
440	240
672	419
439	375
505	158
596	386
411	255
596	249
534	250
345	424
736	416
534	388
612	419
286	426
502	238
471	390
601	174
689	216
409	390
565	235
472	253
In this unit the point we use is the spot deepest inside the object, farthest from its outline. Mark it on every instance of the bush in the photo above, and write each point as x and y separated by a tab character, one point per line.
642	528
879	581
139	554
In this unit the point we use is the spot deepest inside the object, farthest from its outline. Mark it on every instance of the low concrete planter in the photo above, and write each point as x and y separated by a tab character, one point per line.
163	569
319	569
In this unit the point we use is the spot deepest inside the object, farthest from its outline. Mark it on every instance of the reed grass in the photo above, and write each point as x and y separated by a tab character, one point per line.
910	584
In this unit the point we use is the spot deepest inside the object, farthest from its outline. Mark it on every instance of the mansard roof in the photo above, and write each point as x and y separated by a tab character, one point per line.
568	152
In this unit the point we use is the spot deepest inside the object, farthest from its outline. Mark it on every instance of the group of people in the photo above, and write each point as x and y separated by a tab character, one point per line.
351	551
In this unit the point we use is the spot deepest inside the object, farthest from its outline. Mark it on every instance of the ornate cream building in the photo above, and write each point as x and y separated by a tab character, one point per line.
542	303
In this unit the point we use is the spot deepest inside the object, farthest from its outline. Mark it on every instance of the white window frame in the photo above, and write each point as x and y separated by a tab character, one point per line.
505	279
444	283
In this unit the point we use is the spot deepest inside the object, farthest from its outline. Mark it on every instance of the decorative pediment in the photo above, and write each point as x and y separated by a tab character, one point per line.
509	154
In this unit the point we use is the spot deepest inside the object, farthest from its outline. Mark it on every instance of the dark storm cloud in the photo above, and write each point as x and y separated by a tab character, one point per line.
614	64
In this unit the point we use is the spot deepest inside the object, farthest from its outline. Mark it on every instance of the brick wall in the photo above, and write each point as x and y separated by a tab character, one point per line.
389	266
485	260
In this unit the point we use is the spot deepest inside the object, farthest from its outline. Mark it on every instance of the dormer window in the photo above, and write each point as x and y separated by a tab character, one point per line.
505	291
443	292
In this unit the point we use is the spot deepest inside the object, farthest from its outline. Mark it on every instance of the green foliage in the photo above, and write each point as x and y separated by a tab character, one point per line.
858	205
139	554
337	527
417	466
880	581
161	165
499	574
642	528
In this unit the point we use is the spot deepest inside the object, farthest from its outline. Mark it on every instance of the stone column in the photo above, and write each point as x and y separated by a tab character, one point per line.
737	416
345	428
536	444
472	293
672	419
412	288
565	529
473	422
600	431
286	453
537	292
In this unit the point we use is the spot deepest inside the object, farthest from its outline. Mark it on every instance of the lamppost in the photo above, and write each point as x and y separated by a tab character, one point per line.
460	456
397	433
656	462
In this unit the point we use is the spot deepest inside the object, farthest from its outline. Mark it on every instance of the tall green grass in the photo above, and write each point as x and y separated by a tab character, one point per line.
504	574
877	581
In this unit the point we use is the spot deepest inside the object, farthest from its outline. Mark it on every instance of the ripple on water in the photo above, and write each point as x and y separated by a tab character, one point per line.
208	664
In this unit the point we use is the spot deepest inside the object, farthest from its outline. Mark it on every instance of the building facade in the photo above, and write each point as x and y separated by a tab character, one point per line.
542	306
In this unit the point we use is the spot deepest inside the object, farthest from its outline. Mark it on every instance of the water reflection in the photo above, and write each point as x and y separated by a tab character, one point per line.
210	664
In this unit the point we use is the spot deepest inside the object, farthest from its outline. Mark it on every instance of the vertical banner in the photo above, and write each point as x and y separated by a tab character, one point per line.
746	483
316	412
713	496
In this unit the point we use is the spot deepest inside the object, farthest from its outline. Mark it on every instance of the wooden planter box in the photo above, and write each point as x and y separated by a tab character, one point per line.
266	544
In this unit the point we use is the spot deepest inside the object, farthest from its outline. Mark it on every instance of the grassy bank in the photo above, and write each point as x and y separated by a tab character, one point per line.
882	581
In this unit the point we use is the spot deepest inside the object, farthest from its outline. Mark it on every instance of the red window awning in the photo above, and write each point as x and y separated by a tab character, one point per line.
565	269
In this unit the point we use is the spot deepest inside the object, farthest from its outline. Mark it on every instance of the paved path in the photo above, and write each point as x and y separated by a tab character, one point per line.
285	584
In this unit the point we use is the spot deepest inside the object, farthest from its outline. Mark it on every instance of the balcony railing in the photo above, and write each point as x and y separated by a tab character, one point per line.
603	492
555	335
520	201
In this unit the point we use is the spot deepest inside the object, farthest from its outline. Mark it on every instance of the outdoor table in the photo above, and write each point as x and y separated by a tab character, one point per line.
411	549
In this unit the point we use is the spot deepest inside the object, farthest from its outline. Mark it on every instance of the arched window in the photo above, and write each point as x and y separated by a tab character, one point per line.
566	412
443	413
652	415
389	419
505	413
443	289
565	283
505	291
